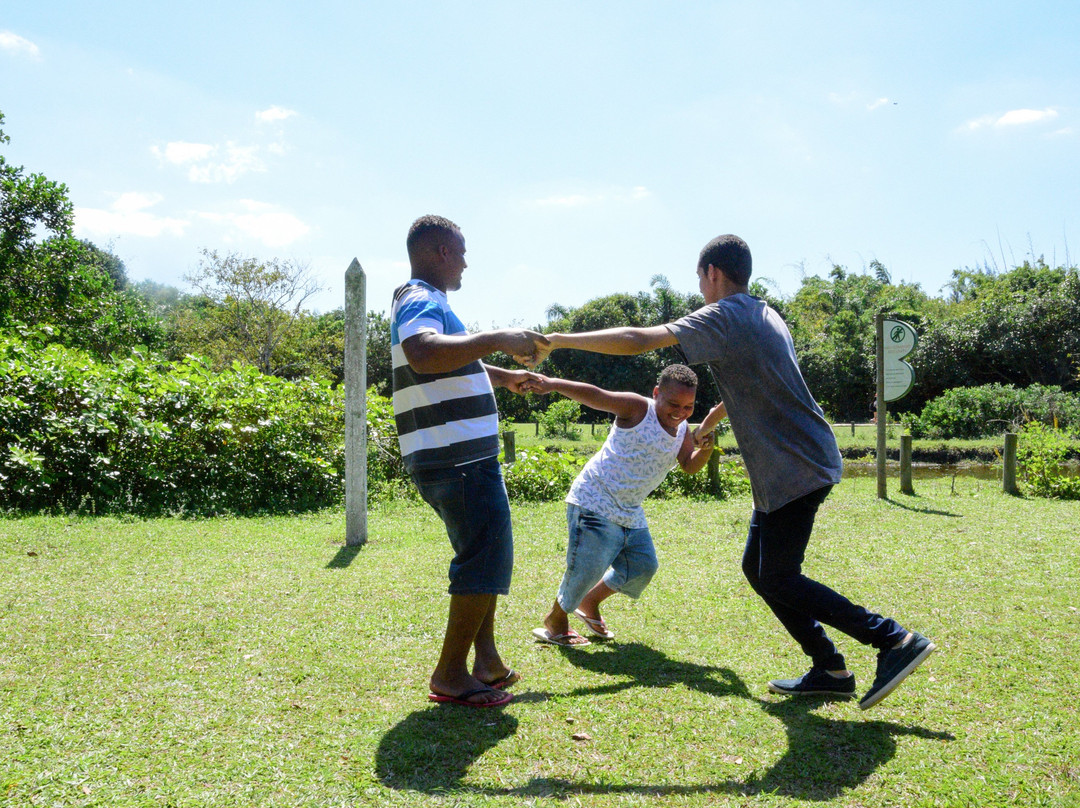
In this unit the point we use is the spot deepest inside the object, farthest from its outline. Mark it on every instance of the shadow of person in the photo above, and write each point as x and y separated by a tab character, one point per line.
826	756
432	750
646	667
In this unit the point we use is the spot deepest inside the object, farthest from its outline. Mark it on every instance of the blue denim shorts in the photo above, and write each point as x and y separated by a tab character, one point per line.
471	501
597	547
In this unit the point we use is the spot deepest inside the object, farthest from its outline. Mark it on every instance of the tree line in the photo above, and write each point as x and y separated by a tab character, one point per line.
1018	327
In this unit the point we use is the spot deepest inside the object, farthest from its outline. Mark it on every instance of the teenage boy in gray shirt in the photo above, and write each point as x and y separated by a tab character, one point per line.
791	457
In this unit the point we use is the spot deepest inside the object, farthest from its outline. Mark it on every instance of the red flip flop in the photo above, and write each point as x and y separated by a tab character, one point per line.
512	677
463	699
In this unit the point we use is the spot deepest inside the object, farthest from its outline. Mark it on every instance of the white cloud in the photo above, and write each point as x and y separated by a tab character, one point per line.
266	223
853	98
210	164
128	215
13	43
180	152
634	194
274	113
1015	117
1018	117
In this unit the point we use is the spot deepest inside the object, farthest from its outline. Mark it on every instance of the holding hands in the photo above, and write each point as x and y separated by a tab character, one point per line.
527	347
538	383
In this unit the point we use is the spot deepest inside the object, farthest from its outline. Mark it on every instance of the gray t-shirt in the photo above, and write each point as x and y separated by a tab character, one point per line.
787	445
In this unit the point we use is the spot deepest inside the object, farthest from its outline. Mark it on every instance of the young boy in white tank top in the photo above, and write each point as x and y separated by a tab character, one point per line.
610	548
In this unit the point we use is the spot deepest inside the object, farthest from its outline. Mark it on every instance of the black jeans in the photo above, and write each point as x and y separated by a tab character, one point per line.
772	563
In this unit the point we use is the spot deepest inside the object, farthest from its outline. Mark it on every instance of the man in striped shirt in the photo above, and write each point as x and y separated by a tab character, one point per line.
444	406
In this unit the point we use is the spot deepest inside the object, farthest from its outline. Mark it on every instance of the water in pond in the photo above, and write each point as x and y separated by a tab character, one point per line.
978	471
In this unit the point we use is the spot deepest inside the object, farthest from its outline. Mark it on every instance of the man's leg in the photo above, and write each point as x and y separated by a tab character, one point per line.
471	500
487	664
801	603
451	676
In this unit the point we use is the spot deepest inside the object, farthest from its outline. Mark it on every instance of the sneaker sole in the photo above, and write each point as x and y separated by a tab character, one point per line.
870	701
834	693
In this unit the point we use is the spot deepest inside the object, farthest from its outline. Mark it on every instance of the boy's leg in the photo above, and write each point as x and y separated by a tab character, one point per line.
630	572
592	543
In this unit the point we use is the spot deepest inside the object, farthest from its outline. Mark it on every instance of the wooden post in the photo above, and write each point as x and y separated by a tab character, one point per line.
882	411
538	427
509	449
1008	476
905	465
355	405
714	473
853	428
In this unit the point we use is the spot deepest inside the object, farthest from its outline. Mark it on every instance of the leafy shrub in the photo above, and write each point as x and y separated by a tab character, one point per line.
144	436
1041	451
386	475
540	476
732	481
560	419
979	412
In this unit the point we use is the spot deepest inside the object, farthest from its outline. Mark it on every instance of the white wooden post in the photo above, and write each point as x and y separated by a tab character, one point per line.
355	405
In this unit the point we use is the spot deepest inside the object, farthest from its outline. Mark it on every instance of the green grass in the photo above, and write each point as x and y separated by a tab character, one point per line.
259	663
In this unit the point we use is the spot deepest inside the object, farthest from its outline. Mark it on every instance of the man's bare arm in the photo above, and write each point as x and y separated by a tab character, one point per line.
428	352
625	341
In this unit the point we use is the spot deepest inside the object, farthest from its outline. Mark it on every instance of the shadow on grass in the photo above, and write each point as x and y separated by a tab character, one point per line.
344	557
647	667
432	750
930	511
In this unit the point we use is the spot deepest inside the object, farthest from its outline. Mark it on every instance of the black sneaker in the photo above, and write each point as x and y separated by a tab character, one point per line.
895	664
815	682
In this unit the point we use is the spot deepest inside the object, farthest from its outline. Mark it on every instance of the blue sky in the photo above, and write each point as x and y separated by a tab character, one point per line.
582	147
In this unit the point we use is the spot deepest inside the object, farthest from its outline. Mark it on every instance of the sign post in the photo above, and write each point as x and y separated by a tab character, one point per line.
895	378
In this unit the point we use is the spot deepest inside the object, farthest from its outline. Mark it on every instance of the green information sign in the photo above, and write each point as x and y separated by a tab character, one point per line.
899	341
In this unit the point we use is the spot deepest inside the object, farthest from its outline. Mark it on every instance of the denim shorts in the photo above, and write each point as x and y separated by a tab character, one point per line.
471	501
597	547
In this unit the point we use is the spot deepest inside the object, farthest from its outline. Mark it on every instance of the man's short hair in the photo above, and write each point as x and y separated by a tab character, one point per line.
731	255
677	374
429	231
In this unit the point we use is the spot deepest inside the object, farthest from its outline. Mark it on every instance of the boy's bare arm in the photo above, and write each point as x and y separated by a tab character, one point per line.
694	453
712	420
624	406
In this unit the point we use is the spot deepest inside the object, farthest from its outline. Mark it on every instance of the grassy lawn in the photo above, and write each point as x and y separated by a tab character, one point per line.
259	663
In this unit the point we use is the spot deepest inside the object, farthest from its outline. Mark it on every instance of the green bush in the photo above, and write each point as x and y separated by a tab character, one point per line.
732	481
386	475
560	419
144	436
1041	452
540	476
981	412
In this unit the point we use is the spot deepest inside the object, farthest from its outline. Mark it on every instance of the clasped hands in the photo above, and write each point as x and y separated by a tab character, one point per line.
530	348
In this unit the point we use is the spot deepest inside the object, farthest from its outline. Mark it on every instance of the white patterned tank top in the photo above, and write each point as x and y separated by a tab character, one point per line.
629	466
